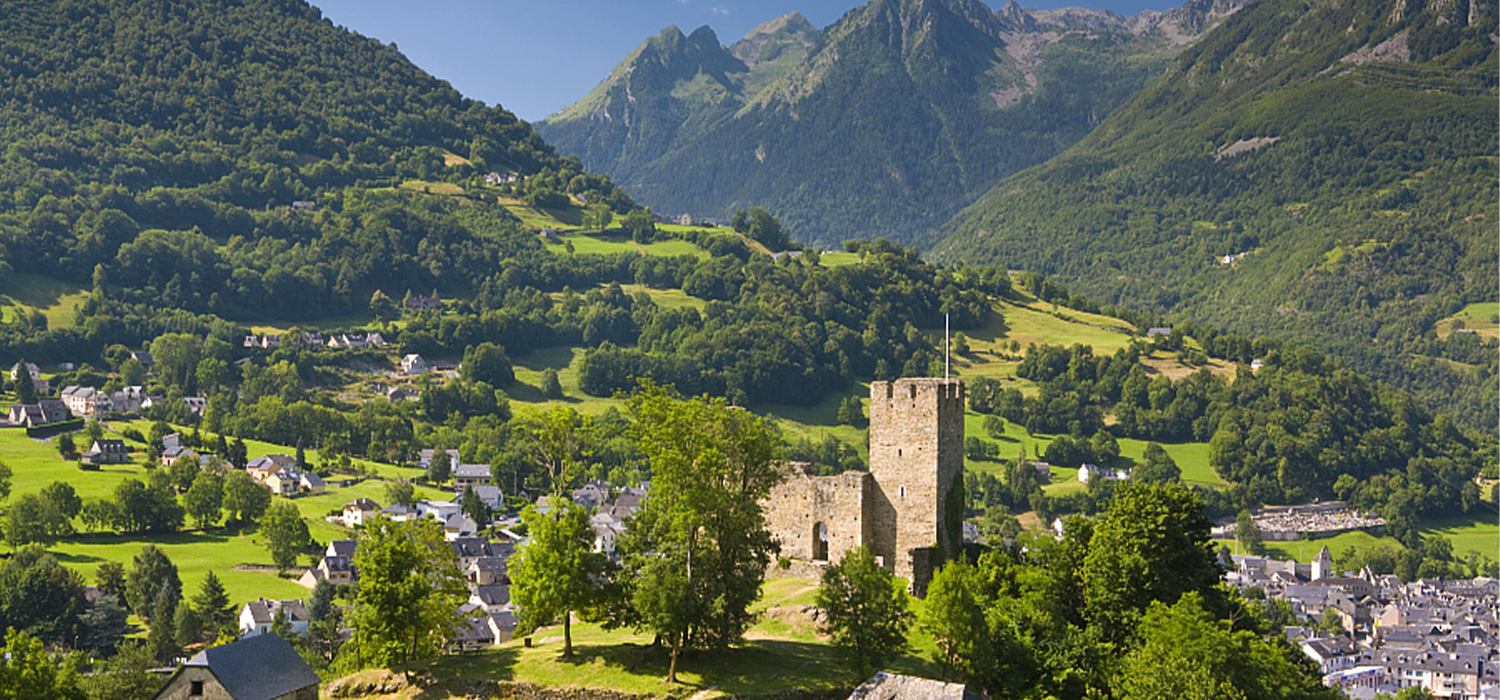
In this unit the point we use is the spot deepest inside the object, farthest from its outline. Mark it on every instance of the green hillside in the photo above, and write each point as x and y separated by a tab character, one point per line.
883	124
1311	170
155	151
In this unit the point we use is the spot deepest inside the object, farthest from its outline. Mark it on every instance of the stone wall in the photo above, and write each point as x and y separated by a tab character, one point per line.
798	505
916	457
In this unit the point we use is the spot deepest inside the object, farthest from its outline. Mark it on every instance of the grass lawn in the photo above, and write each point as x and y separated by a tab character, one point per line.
783	649
36	464
1480	318
1479	532
195	553
447	188
538	219
1191	457
1305	550
54	298
617	241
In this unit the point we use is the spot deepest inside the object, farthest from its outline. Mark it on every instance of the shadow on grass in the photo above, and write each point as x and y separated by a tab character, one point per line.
556	357
492	664
526	393
761	665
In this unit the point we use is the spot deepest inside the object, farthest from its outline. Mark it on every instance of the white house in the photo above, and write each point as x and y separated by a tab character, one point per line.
414	364
1092	471
438	510
257	615
358	511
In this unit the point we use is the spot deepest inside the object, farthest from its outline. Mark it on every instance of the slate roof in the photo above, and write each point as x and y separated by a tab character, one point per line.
257	668
343	548
264	611
494	594
894	686
472	471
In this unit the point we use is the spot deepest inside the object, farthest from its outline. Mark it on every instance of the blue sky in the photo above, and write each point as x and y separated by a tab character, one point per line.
535	57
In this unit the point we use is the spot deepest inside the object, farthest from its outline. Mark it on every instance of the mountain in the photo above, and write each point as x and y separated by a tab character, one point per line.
1317	170
884	124
153	147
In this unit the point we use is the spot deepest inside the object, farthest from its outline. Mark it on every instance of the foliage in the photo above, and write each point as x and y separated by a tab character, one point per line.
103	625
285	534
213	606
698	548
866	611
557	571
126	676
1153	545
39	596
409	592
245	500
28	672
1184	652
151	573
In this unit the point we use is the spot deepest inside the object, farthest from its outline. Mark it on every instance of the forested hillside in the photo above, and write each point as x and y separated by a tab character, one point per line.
883	124
1312	170
154	150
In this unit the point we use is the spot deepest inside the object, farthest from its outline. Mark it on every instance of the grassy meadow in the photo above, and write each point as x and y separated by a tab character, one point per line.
783	649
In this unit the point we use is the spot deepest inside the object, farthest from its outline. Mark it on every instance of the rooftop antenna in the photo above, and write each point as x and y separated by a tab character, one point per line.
946	346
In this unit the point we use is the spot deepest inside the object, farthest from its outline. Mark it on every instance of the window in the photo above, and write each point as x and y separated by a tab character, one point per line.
197	689
903	492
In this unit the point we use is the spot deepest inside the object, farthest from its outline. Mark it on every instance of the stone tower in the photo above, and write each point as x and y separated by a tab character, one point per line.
1322	565
916	461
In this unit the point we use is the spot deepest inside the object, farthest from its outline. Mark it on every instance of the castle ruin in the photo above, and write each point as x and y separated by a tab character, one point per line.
907	510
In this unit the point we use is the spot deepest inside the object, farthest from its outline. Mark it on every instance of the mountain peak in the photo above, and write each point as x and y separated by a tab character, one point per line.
787	38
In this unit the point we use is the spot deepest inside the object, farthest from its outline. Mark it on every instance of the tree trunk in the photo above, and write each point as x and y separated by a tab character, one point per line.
672	669
567	633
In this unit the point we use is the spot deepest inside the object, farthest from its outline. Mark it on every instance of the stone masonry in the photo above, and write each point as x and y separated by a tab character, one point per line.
900	509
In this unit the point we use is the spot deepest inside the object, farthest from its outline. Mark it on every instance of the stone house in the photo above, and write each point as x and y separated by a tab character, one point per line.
264	667
106	451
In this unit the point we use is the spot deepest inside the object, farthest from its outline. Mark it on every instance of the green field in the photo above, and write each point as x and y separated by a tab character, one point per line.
1305	550
1480	318
782	650
1480	533
54	298
36	464
1191	457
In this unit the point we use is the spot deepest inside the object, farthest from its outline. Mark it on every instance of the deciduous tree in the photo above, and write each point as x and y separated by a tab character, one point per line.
866	611
698	548
409	592
285	534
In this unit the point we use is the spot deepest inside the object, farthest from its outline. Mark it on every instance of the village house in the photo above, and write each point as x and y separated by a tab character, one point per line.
85	402
421	303
264	466
170	455
1094	471
31	415
414	364
257	615
471	475
425	457
42	386
263	667
359	511
400	512
459	525
105	451
437	510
